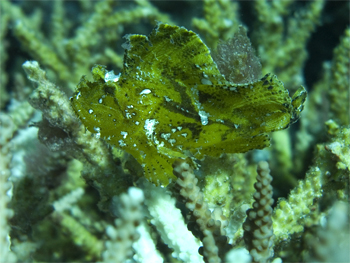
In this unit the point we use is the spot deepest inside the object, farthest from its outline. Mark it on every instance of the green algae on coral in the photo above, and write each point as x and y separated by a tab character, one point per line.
170	100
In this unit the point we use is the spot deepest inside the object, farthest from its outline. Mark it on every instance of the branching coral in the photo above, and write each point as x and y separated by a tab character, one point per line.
284	52
7	128
170	225
332	235
213	235
49	213
220	20
66	56
258	231
129	208
61	128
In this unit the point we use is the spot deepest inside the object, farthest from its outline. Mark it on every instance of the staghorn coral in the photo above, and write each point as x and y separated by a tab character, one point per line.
213	235
258	230
57	49
61	128
7	130
331	235
284	52
129	209
340	81
69	38
220	21
170	225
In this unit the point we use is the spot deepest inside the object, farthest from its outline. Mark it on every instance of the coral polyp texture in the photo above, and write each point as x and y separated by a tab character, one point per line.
166	151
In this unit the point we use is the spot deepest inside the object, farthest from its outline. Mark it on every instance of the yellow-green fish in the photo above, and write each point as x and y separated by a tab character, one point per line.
171	101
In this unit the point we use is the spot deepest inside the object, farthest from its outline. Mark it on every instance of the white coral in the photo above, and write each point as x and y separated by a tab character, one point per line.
170	224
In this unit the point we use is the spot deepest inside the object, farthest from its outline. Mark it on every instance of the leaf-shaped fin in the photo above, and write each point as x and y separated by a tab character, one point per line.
169	54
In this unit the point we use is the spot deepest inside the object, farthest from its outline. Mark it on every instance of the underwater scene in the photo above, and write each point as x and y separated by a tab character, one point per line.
174	131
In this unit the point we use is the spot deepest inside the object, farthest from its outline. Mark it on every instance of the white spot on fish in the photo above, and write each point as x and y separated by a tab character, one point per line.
124	134
204	117
145	91
110	76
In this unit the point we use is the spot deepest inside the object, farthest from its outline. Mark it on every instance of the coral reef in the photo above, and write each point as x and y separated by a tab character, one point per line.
68	194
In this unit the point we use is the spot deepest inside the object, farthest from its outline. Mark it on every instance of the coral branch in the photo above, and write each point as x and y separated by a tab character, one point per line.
170	224
214	240
258	229
119	247
7	130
